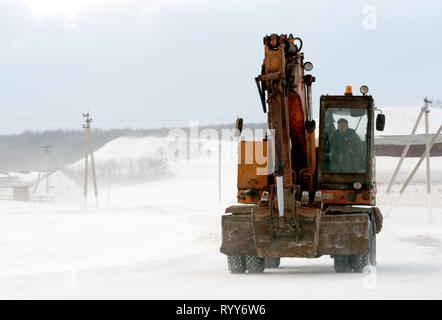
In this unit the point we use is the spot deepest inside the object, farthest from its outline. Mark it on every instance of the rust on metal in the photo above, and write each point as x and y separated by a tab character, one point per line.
318	234
348	197
379	219
237	235
280	236
252	170
242	209
344	234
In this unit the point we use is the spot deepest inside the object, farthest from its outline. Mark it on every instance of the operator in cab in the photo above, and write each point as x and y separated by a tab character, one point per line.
345	149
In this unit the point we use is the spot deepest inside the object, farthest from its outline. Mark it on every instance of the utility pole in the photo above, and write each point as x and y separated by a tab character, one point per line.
426	111
108	187
219	169
427	144
46	151
36	183
427	153
86	155
89	151
432	142
404	153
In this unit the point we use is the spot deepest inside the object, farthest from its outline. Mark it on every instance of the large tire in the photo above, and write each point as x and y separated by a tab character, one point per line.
359	262
255	264
343	263
374	231
236	264
272	263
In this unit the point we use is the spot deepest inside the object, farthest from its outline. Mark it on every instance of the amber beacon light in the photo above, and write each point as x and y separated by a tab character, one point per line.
348	91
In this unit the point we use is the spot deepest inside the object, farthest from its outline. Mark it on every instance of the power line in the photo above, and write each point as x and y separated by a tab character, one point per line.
32	98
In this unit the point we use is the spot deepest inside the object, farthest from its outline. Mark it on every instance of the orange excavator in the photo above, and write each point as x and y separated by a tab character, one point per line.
297	199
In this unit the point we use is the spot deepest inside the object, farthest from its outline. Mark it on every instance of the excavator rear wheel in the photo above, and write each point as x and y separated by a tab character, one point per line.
236	264
357	262
362	260
343	263
272	263
255	264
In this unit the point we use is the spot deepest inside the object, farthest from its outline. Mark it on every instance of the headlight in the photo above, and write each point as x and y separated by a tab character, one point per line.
364	90
357	185
308	66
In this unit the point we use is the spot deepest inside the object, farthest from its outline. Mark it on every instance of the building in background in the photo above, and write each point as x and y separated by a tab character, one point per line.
32	186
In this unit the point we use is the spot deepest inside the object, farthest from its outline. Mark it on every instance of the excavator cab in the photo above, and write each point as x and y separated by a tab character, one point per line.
346	149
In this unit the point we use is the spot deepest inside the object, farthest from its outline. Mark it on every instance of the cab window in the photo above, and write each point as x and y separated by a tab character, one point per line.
345	145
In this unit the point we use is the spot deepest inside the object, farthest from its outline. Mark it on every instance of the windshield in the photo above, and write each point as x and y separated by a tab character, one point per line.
345	140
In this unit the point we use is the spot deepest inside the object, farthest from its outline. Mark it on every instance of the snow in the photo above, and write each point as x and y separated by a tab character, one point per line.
161	239
152	252
126	147
385	167
25	177
400	120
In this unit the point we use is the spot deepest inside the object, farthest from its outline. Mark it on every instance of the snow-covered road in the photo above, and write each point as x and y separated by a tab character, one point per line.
153	254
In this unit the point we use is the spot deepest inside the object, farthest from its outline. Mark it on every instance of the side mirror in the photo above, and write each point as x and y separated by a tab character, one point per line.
238	126
380	122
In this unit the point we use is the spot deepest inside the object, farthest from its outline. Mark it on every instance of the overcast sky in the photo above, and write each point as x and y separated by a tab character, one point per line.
136	63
